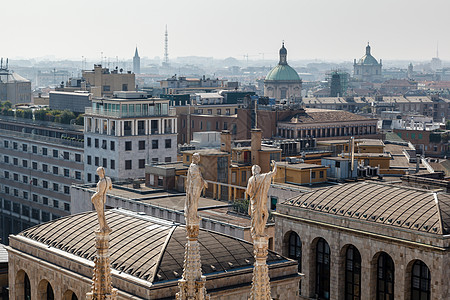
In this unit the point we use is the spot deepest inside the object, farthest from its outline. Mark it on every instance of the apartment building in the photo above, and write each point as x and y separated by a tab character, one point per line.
39	161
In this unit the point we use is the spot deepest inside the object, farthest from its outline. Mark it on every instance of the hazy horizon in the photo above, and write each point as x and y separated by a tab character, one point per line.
312	30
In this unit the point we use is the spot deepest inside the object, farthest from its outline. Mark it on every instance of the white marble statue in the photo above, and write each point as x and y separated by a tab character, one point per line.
194	187
99	198
257	188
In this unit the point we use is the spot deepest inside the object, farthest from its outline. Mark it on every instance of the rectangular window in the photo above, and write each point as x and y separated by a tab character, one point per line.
104	144
6	174
128	165
34	165
78	175
25	179
141	163
45	216
154	160
56	203
35	181
89	179
16	177
35	198
55	187
128	146
105	163
66	172
6	190
168	143
6	144
321	174
25	163
66	189
112	164
225	126
89	142
45	184
96	143
97	161
55	170
313	175
24	147
124	87
25	211
168	159
77	157
34	149
219	111
44	151
6	159
89	160
14	145
55	153
16	192
35	213
155	144
45	200
15	161
141	145
112	146
106	88
66	206
25	195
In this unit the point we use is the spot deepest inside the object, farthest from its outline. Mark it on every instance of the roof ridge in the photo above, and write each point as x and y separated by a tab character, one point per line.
438	208
163	250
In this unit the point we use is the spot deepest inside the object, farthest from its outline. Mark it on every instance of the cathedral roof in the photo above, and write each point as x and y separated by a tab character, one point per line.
148	248
398	206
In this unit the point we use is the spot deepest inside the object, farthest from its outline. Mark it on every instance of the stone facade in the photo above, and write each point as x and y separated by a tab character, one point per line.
403	246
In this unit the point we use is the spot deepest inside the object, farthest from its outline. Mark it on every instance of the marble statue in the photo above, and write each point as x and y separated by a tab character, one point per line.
99	199
194	187
257	188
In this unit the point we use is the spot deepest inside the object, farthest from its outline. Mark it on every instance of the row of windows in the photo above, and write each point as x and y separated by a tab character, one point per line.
55	186
128	144
37	214
44	167
23	286
420	277
103	162
55	153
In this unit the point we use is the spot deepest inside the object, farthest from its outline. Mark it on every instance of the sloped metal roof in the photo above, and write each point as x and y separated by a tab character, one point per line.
148	248
397	206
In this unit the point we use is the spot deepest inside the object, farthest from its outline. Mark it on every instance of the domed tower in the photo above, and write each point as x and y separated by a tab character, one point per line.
283	82
367	68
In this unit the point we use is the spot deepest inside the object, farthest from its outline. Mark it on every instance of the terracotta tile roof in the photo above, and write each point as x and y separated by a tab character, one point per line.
315	115
397	206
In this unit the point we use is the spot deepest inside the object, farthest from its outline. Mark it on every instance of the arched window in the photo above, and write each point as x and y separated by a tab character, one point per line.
295	249
27	288
74	297
385	277
50	295
420	281
352	273
322	269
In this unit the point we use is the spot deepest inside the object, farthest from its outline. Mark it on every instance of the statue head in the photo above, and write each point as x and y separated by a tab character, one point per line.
101	172
256	169
196	158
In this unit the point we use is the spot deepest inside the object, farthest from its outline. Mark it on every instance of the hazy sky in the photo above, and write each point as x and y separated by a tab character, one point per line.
312	29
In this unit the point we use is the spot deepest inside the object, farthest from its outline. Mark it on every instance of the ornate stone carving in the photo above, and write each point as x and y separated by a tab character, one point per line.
192	283
101	282
257	188
99	198
194	187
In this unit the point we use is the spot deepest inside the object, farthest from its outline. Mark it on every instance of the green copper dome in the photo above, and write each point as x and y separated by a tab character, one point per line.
284	73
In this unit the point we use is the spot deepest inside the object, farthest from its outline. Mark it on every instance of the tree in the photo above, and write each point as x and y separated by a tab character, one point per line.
66	116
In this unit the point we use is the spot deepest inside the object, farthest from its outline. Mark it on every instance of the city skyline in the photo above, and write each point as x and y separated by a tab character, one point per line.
334	30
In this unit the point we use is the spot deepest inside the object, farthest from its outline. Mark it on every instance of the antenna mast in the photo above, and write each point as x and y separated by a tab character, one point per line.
166	48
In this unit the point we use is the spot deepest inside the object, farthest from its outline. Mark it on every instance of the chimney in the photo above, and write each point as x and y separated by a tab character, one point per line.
255	145
225	141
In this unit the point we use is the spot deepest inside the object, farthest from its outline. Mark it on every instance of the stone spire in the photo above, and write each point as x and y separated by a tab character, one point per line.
101	282
192	283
